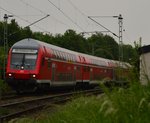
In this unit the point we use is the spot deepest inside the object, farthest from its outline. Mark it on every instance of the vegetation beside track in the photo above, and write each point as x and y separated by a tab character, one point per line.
130	105
4	88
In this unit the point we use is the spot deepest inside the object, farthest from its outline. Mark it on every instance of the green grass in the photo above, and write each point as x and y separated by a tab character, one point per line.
130	105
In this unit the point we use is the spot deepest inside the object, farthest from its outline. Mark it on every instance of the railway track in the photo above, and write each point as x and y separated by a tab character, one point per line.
17	108
13	96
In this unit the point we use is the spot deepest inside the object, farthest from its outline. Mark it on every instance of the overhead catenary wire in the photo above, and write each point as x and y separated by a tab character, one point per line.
55	18
90	17
33	7
42	12
21	18
31	24
103	26
76	8
37	21
69	18
104	16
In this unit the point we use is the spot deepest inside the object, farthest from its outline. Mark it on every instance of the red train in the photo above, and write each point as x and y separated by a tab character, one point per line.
34	64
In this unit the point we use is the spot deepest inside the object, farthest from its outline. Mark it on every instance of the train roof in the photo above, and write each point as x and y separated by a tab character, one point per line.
27	43
80	57
32	43
144	49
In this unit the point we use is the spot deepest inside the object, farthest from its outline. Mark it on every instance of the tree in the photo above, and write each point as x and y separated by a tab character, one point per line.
14	32
103	46
73	41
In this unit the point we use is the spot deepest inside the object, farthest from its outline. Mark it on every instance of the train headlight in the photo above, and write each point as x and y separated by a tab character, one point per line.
10	75
33	75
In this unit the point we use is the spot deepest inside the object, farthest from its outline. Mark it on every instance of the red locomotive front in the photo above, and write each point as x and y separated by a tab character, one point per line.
23	65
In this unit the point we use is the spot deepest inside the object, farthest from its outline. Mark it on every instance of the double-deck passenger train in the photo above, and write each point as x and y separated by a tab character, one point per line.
34	64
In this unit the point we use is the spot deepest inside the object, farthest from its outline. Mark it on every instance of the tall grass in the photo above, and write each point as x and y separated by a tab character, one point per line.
120	105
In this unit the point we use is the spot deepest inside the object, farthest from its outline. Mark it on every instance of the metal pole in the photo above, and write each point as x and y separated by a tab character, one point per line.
5	48
120	38
5	42
120	22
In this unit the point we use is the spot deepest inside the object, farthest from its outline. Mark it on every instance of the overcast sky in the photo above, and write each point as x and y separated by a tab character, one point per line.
73	14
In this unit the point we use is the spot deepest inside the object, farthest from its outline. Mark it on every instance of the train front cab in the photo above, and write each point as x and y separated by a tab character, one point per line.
22	69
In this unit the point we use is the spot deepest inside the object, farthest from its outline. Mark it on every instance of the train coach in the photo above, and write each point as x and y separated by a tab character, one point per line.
34	64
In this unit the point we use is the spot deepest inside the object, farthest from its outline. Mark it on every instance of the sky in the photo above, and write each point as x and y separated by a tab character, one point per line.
73	14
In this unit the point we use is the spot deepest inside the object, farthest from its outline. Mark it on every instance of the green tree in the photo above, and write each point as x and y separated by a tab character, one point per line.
73	41
14	32
103	46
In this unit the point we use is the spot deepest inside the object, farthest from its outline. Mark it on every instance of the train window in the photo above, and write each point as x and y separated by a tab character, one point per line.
59	54
74	58
28	61
16	59
70	57
67	57
31	51
54	55
63	56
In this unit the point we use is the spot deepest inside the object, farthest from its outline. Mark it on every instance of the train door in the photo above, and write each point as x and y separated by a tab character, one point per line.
53	72
78	74
46	68
75	73
42	68
49	65
91	74
86	74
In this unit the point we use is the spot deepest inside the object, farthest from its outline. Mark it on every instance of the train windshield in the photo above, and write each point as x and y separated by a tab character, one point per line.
24	59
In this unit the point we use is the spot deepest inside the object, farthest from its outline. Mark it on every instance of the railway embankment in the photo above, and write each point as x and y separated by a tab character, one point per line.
115	106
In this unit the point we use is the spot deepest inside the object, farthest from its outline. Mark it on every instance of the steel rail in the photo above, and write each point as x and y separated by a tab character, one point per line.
60	99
